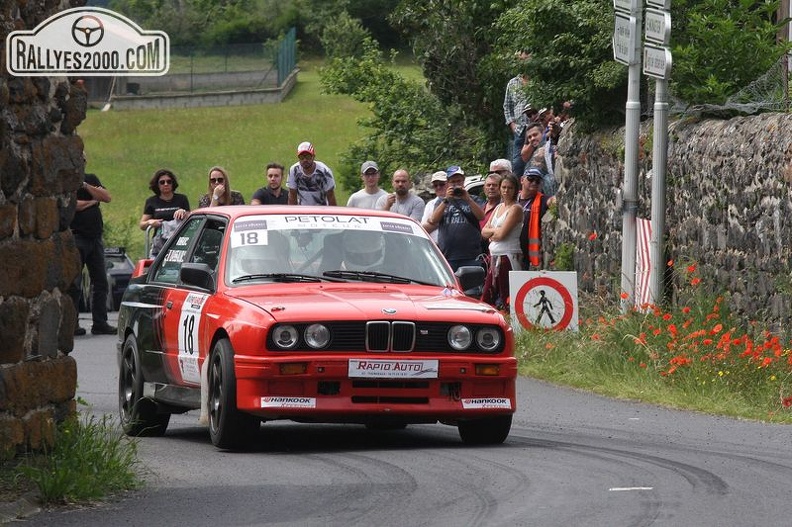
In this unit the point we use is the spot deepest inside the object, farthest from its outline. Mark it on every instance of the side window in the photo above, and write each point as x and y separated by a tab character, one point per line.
207	250
176	253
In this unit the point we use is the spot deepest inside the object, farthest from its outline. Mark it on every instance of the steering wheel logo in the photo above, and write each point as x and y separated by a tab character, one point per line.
87	31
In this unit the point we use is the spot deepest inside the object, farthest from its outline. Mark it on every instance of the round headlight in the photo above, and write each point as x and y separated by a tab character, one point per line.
488	339
317	335
459	337
285	337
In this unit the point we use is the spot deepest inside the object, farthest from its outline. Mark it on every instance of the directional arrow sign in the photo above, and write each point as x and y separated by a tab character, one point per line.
624	35
657	26
657	61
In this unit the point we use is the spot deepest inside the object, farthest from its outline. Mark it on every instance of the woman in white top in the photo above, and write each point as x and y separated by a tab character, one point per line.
503	232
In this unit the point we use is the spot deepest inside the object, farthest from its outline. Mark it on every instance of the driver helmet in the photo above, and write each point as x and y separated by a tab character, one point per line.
363	250
270	258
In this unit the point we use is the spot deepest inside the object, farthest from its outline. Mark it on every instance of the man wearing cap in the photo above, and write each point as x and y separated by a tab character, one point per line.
530	115
366	198
402	201
310	182
535	204
439	179
457	217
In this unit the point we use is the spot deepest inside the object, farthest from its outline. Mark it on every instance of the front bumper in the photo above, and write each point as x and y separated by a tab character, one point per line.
327	390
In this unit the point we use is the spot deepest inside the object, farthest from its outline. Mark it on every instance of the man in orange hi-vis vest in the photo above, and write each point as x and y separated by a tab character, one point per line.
534	203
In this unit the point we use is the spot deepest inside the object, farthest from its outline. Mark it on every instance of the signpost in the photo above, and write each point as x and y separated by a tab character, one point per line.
632	12
657	64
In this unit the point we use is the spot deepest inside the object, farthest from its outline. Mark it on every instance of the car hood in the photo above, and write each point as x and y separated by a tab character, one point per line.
353	301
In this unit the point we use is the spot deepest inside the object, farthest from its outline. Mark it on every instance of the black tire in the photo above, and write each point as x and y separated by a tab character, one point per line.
487	431
228	427
139	416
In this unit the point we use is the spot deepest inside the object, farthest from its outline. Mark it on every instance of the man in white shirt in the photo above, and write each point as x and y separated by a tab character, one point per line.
402	200
439	184
366	198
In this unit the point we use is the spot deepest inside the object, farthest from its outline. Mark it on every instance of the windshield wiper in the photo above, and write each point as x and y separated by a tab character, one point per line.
280	277
373	276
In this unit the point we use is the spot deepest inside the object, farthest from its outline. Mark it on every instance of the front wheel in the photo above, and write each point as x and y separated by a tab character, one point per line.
228	427
486	431
139	416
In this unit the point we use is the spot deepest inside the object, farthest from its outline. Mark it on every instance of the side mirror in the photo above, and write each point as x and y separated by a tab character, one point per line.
197	275
471	279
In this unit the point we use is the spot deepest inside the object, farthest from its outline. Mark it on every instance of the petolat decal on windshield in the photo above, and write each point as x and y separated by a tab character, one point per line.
89	42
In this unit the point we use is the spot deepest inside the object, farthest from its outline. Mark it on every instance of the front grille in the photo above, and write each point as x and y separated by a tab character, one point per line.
382	336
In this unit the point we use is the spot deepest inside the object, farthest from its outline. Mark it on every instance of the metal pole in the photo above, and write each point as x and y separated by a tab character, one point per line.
630	189
659	162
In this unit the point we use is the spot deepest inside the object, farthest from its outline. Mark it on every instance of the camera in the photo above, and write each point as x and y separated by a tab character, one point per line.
458	191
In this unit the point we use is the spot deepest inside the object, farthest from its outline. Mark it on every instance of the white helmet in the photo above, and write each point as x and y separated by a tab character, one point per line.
363	250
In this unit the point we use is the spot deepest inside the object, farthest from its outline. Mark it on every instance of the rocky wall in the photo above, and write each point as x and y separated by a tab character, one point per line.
728	209
41	167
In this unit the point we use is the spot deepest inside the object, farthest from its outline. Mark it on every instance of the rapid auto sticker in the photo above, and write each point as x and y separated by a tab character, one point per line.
288	402
189	330
486	402
390	369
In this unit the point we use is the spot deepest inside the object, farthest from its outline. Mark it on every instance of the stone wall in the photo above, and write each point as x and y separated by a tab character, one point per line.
41	167
728	208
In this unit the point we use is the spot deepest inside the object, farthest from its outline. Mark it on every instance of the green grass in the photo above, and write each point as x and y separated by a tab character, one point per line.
125	148
90	460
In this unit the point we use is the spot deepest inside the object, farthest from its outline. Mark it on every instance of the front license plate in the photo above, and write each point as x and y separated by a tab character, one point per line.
392	369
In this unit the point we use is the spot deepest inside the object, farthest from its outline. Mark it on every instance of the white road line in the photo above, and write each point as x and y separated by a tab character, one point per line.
627	489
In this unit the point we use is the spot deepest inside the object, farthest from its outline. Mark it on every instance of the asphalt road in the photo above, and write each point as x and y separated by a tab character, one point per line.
572	459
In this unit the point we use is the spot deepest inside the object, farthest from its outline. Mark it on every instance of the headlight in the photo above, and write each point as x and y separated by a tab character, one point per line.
488	339
317	335
285	337
459	337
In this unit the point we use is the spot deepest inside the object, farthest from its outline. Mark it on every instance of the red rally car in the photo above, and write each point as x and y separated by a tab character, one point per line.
314	314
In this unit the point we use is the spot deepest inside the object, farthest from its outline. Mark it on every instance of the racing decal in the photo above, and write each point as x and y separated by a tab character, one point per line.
249	236
391	369
397	227
288	402
189	330
487	402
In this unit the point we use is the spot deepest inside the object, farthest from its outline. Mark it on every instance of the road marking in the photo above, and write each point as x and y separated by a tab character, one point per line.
627	489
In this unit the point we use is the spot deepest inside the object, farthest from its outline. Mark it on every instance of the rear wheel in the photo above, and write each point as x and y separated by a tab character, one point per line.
487	431
228	427
139	416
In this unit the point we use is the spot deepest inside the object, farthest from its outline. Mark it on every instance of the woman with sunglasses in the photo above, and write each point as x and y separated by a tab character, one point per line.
220	192
164	206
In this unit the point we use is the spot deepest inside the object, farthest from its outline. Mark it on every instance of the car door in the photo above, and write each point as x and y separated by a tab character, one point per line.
184	305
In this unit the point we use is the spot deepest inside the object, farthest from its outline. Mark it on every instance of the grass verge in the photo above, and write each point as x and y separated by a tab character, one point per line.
696	356
90	460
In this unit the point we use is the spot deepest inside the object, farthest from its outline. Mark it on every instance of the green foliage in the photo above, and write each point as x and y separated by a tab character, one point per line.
722	46
564	259
343	36
410	127
572	58
91	459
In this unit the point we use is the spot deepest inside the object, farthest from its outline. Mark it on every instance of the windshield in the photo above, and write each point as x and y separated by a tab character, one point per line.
335	247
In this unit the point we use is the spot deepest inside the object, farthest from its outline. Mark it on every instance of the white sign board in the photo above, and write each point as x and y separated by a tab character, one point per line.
626	6
624	35
660	4
657	27
544	299
657	62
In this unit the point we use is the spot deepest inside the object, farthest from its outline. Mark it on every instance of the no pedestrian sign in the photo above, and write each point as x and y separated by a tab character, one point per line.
543	299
